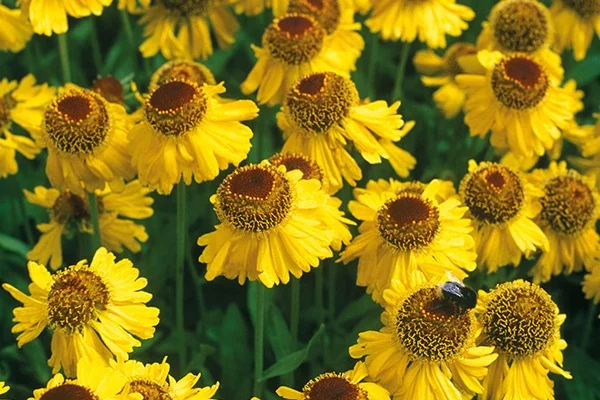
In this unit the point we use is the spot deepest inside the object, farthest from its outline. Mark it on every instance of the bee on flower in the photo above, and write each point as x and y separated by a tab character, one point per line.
93	311
16	31
578	20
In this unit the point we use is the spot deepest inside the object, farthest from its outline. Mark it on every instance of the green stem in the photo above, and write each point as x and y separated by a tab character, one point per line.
589	325
397	93
288	379
96	53
96	239
332	269
63	50
198	281
374	49
21	206
319	284
128	29
259	339
181	238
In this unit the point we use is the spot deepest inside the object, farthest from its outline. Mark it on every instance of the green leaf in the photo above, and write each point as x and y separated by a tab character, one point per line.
13	245
586	381
278	333
292	361
357	308
586	71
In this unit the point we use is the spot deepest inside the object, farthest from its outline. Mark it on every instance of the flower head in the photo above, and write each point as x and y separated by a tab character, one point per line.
110	88
272	225
577	19
183	70
93	310
49	16
16	31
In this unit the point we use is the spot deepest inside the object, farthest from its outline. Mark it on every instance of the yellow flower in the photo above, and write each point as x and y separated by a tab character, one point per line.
181	70
330	211
21	103
3	388
93	310
153	381
180	29
321	114
568	218
185	130
333	385
577	19
15	31
362	6
522	26
95	381
590	146
426	349
132	6
502	205
255	7
523	323
70	213
87	141
408	227
428	20
518	101
50	16
591	282
270	226
449	98
294	45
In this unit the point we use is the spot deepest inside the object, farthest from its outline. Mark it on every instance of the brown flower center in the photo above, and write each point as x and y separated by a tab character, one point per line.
110	88
519	319
585	8
333	386
75	297
310	169
69	206
149	390
294	38
408	221
77	122
519	82
568	205
69	391
454	52
520	25
188	8
190	71
6	104
326	12
428	330
319	101
254	198
493	193
176	107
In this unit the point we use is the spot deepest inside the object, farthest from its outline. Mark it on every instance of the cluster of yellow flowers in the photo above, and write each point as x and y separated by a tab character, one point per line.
416	240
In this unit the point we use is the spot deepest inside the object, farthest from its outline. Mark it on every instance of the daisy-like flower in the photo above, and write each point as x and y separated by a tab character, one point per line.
294	45
184	130
255	7
321	114
569	213
441	71
426	349
186	70
181	28
133	6
110	88
502	205
591	282
15	31
87	144
270	226
518	101
50	16
95	381
153	381
332	385
70	213
408	227
3	388
522	26
332	215
523	324
428	20
21	103
577	19
93	310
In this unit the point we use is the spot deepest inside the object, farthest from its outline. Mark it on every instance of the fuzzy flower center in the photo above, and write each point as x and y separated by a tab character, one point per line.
585	8
326	12
519	319
254	198
521	25
428	329
294	39
493	193
149	390
69	206
568	205
69	391
176	107
77	122
408	221
333	386
75	297
454	52
180	71
320	101
189	7
310	169
110	88
519	82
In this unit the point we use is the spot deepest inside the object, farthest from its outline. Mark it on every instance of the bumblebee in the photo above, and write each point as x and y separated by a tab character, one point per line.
456	297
